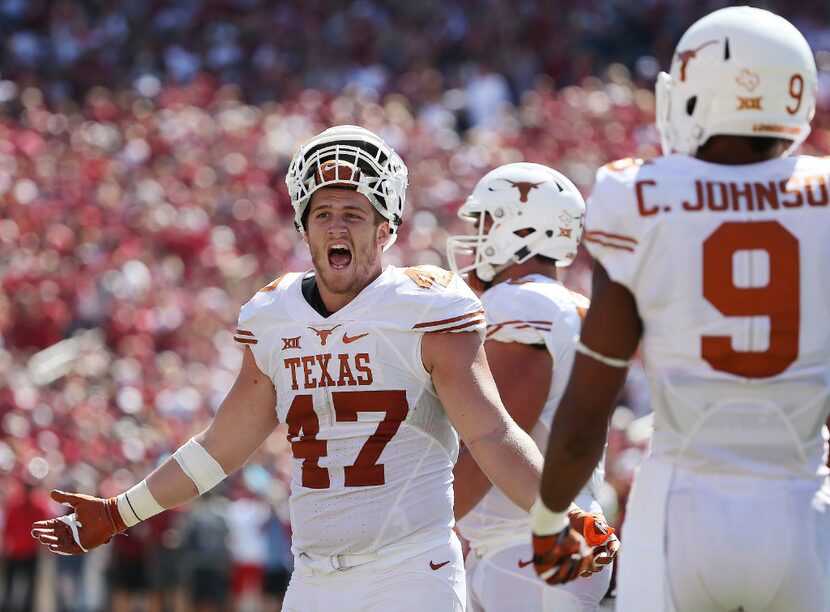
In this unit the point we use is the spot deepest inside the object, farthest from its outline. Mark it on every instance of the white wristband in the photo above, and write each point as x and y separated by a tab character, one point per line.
137	504
609	361
545	521
199	465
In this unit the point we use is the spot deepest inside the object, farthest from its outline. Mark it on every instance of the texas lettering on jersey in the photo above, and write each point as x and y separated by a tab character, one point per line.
327	370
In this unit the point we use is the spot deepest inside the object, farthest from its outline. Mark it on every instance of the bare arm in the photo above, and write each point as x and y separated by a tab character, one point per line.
465	386
522	373
246	417
613	329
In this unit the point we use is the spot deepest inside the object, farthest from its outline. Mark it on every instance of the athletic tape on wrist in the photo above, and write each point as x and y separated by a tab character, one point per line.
547	522
199	465
137	504
609	361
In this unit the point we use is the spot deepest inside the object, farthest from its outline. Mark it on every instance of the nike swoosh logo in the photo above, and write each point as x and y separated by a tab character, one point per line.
348	340
524	563
437	566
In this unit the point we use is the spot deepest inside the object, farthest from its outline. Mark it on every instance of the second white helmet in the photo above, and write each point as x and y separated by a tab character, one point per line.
738	71
534	210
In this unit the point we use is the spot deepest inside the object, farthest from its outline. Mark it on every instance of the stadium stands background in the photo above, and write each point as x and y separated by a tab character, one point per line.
143	146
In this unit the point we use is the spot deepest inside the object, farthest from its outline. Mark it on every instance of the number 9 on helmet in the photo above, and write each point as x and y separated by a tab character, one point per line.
738	71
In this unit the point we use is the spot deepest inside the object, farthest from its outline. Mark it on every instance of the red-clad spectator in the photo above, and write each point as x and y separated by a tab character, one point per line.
247	516
20	550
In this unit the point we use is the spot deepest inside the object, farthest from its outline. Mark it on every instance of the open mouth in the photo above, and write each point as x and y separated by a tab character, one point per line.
340	256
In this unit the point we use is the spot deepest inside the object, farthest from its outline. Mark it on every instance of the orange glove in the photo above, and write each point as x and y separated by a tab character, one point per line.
599	536
561	557
93	523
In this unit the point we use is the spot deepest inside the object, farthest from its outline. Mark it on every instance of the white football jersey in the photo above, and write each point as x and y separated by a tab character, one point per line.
728	265
373	449
535	310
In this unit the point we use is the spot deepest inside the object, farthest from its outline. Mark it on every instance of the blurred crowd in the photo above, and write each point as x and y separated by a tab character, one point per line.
229	549
277	50
143	147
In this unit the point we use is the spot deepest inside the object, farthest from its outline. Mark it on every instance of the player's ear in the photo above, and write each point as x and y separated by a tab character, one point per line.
383	233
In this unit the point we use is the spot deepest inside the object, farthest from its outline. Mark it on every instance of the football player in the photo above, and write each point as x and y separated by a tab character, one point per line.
528	220
715	256
371	368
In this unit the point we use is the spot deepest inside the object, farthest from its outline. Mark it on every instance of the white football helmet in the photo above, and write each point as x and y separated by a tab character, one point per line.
738	71
352	157
520	196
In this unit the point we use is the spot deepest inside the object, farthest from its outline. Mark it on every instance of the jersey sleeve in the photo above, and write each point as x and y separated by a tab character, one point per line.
253	317
613	225
245	333
517	316
445	304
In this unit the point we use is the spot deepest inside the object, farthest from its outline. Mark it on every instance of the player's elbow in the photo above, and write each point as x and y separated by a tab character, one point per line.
584	443
495	435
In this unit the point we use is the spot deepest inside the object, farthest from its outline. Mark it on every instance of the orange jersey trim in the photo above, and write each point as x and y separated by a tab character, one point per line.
272	285
478	321
446	321
609	244
597	233
530	322
544	326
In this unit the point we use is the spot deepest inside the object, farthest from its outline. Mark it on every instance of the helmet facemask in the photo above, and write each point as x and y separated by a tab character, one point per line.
349	157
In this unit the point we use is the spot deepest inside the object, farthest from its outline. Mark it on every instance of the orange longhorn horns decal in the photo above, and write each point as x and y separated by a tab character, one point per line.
686	56
523	187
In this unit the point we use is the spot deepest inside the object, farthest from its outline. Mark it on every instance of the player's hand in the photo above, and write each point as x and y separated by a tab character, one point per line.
93	523
561	557
598	535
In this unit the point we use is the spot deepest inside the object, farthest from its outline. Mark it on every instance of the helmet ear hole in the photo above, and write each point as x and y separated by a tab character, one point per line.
527	231
690	105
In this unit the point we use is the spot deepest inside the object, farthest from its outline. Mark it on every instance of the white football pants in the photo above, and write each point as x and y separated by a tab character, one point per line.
701	541
391	580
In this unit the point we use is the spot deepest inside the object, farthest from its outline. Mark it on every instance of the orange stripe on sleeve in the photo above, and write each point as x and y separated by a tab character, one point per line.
527	322
445	321
597	233
478	321
245	340
524	325
609	244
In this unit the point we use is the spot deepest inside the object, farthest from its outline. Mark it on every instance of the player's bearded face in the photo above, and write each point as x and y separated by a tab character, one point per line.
345	240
